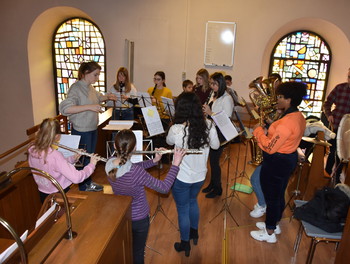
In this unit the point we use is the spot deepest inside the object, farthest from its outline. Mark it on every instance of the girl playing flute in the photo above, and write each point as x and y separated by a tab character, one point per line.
131	179
44	157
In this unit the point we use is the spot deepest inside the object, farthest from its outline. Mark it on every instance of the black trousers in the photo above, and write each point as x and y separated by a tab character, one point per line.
139	237
274	175
214	159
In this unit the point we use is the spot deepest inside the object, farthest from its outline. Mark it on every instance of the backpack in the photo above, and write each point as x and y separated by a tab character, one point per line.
327	210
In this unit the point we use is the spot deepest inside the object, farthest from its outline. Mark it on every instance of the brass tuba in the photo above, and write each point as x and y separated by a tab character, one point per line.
264	98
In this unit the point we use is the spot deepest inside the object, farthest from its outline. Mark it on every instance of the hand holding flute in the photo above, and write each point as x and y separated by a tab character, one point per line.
178	155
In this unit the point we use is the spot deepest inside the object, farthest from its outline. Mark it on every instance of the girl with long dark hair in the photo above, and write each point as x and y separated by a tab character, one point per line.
190	129
222	101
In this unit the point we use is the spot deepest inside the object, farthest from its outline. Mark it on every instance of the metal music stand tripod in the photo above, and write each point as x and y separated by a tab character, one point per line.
226	206
297	193
159	207
242	175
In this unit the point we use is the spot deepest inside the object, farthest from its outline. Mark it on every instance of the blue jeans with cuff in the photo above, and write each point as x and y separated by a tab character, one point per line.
185	196
255	181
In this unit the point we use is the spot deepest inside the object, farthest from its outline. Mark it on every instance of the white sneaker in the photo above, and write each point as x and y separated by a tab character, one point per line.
262	235
258	211
262	225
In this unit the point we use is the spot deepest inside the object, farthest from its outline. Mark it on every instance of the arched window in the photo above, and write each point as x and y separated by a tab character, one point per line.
305	57
75	41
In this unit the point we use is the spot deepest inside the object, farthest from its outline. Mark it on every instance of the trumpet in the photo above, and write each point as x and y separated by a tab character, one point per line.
80	152
167	151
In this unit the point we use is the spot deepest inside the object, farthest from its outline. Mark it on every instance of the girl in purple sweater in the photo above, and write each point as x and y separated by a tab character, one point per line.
131	179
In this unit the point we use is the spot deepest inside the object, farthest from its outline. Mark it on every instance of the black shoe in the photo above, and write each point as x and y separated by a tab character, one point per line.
194	235
214	193
207	189
183	246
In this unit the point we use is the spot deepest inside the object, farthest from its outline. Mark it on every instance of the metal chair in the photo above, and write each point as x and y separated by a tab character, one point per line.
317	235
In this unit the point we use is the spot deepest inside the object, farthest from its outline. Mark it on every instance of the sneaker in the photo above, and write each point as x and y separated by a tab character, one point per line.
262	235
93	187
262	225
258	211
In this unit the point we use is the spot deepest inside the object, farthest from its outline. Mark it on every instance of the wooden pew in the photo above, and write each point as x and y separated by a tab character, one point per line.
102	223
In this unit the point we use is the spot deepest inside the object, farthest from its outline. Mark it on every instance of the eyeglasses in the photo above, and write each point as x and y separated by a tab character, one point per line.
157	79
213	83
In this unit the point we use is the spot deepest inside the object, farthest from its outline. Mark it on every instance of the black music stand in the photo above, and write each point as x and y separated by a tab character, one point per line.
169	108
159	204
159	207
226	206
296	193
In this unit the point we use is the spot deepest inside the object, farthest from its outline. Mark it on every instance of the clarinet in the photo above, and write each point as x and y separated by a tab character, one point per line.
209	96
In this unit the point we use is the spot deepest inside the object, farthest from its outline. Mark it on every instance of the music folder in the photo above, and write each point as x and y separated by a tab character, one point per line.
227	128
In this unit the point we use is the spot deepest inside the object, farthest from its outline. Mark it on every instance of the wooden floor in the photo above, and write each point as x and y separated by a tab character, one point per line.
215	245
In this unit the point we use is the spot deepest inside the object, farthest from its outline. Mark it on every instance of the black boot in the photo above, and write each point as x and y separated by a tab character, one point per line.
194	235
183	246
209	188
215	192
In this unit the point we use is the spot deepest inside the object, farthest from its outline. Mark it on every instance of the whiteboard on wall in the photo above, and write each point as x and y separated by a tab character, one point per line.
219	43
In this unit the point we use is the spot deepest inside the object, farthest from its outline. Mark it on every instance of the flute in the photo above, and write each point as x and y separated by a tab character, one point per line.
80	152
167	151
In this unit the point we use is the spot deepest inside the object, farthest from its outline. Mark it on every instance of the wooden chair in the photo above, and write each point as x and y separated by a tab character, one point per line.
317	235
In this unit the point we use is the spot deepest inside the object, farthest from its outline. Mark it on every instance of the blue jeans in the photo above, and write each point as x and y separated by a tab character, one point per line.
275	172
139	237
185	196
89	140
127	114
255	181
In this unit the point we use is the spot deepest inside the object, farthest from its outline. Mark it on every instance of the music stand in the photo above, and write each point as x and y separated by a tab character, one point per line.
153	123
169	107
226	206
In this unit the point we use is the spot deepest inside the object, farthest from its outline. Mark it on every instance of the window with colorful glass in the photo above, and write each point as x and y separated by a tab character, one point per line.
304	56
75	41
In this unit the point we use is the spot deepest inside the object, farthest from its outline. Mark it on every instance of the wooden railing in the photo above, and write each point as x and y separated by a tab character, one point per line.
31	131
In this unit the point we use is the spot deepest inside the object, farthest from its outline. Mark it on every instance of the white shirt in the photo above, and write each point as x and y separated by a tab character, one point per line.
120	102
193	167
223	103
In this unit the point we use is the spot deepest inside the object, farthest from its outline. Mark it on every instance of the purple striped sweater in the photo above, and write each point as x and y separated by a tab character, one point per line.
133	184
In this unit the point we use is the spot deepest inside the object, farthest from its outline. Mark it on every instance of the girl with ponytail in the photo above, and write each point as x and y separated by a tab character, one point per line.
44	157
131	179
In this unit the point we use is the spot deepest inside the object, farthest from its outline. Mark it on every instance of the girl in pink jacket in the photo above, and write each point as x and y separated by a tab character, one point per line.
44	157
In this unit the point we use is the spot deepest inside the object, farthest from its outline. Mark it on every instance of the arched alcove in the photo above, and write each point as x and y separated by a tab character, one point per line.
336	39
40	59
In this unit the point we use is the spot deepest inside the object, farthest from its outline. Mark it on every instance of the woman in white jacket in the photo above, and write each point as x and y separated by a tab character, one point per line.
190	130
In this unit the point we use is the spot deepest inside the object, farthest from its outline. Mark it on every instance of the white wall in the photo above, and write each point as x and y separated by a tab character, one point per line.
168	35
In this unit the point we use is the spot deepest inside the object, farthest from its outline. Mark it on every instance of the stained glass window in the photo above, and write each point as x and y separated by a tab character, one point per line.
305	57
75	41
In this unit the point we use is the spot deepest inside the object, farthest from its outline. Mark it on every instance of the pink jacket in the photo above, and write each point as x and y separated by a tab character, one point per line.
57	166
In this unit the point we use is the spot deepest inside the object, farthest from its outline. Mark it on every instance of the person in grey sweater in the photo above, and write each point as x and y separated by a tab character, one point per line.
82	106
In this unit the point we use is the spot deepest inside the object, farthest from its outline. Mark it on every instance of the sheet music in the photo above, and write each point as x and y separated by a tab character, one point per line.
139	146
152	119
71	141
119	124
45	215
168	105
5	254
144	99
225	125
